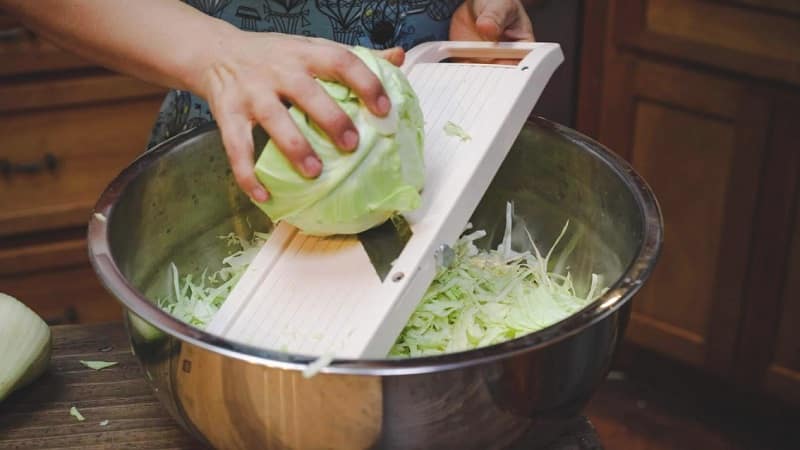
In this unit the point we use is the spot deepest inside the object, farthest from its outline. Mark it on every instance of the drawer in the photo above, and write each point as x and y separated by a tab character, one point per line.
56	281
61	142
23	52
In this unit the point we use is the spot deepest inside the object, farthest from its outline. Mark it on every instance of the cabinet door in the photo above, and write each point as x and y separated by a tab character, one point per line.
770	340
783	374
697	138
63	141
752	37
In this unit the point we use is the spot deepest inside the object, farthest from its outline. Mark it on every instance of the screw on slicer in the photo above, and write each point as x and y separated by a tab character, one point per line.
444	256
398	276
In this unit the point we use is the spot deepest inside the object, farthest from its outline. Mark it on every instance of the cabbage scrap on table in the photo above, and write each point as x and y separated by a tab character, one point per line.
484	297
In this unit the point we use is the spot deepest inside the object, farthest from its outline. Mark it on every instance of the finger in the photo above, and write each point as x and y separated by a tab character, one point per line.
345	67
275	119
237	138
309	96
521	30
519	35
395	55
493	18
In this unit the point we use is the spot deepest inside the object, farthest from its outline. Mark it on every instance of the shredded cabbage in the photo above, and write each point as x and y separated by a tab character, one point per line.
98	365
196	301
73	411
484	297
489	296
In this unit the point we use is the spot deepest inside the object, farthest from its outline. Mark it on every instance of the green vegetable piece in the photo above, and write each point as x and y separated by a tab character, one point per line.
25	345
143	331
104	423
359	190
98	365
489	296
195	300
452	129
76	414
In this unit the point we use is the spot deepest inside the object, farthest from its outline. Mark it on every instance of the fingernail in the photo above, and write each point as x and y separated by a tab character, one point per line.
350	139
383	104
312	165
259	195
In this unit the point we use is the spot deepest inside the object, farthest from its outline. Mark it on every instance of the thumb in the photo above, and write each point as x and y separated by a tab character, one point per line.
395	55
493	18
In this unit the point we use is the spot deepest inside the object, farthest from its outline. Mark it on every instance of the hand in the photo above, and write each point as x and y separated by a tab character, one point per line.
255	72
491	20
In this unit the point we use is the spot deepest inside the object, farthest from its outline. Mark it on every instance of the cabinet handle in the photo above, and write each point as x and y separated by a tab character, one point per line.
48	163
14	34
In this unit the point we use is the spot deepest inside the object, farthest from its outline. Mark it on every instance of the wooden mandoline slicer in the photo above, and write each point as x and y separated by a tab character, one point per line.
324	296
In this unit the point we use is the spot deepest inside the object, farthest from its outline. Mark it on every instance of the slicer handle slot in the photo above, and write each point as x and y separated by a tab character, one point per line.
529	53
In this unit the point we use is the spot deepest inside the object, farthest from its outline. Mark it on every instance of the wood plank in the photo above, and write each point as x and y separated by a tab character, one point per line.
781	303
38	416
74	90
702	47
748	31
776	6
742	200
590	81
667	339
618	96
770	284
699	152
695	91
91	144
43	256
654	403
67	295
784	383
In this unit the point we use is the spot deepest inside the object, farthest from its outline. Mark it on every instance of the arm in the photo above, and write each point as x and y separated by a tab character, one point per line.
243	76
163	42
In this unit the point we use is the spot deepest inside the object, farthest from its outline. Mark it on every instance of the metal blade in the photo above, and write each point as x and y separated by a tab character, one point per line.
384	243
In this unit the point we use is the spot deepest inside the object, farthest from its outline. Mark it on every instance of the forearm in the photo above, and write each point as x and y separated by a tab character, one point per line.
165	42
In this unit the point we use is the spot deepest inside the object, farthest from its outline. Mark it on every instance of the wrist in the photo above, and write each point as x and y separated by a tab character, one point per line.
207	55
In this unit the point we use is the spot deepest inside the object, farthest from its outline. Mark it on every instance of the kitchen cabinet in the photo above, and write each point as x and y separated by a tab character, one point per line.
701	97
66	129
783	372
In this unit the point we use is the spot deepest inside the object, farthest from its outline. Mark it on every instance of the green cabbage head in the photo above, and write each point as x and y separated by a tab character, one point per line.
359	190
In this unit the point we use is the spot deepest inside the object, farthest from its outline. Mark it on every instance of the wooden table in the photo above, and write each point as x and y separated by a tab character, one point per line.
38	417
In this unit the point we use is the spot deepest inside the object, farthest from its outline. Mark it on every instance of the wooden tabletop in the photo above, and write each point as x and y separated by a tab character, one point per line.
38	416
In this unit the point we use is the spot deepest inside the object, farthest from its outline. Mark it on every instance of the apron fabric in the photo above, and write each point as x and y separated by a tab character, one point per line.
377	24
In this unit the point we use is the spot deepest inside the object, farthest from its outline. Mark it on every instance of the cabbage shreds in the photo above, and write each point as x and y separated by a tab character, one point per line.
197	300
483	297
487	297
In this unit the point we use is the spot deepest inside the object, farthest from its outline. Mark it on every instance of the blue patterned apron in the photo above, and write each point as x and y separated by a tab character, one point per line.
369	23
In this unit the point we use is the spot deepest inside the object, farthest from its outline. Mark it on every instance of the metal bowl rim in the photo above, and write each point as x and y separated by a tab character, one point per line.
613	299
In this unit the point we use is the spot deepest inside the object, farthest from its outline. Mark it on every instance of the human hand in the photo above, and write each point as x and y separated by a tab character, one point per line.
250	76
491	20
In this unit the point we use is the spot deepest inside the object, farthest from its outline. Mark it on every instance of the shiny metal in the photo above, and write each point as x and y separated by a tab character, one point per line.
445	255
173	202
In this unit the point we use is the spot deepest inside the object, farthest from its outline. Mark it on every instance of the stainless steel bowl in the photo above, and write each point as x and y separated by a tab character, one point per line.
173	202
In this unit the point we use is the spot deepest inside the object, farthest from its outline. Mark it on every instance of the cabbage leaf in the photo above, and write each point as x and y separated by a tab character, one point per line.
359	190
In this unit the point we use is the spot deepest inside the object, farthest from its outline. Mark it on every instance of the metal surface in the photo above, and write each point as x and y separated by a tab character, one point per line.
172	203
